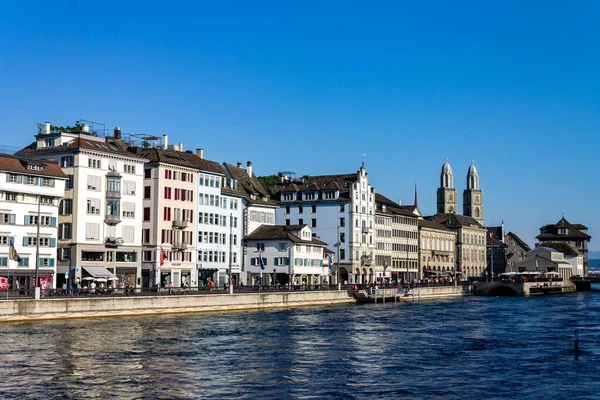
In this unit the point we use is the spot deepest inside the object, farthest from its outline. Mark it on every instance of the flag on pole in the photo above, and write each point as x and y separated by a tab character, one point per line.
330	263
260	261
162	256
12	252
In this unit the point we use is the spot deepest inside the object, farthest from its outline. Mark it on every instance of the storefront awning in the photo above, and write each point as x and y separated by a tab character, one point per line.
98	272
26	272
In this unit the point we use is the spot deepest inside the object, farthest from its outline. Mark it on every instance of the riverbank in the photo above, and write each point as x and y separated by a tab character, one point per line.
94	307
91	307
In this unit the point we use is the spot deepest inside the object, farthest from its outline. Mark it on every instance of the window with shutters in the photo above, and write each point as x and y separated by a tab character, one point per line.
128	210
93	183
93	206
128	234
92	231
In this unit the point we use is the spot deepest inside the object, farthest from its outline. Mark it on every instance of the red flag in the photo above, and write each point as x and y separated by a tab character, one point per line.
162	256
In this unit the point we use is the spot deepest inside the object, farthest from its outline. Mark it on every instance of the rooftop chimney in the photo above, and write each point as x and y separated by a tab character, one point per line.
200	153
180	146
47	128
165	142
249	168
239	165
117	134
85	128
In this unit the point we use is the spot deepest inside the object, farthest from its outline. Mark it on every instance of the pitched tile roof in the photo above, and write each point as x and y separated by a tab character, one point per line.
250	186
19	164
423	223
392	207
519	241
109	146
492	241
316	183
551	232
451	219
271	232
180	158
562	247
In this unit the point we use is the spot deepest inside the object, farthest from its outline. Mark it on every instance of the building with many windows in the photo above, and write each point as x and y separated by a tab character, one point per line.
100	218
340	210
575	235
256	208
30	193
397	242
289	253
437	250
169	230
470	242
516	250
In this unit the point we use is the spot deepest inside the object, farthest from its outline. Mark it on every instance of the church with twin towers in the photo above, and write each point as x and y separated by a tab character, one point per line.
447	200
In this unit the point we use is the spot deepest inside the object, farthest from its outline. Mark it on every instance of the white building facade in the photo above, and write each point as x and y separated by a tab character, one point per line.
100	218
30	192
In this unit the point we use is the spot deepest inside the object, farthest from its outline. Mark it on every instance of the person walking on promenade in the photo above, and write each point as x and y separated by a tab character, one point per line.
171	287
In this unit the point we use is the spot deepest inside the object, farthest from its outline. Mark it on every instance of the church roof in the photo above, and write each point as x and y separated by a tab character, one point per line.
472	170
446	168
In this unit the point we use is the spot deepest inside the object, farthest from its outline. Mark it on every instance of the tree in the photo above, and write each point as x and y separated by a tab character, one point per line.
269	182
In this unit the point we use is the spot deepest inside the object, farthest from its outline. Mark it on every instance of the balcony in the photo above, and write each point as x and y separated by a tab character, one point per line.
113	241
366	261
178	245
112	219
179	224
365	229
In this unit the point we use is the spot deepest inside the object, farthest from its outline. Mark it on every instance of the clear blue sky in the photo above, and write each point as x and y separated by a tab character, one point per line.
310	86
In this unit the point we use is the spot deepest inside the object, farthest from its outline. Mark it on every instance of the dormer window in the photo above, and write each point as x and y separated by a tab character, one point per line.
253	196
309	196
330	195
35	167
288	196
563	231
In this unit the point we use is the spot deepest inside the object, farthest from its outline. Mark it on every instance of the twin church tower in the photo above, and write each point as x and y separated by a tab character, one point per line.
447	201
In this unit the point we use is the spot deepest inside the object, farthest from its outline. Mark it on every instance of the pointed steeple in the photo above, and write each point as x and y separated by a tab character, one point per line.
416	197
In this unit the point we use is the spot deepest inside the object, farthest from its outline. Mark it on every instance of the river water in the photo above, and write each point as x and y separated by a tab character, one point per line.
465	348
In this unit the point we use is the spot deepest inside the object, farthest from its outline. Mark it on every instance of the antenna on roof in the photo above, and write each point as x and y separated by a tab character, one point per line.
363	161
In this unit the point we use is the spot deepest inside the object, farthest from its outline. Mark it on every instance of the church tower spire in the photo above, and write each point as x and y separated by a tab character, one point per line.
446	193
472	196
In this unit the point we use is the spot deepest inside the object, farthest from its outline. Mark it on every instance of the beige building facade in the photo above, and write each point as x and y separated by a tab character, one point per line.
437	250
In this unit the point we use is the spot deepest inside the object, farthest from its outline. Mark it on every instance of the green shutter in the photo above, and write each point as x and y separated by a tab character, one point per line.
52	262
52	221
27	219
52	242
276	261
25	241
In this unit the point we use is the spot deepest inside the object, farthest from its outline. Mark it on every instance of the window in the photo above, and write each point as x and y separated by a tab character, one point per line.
147	255
30	180
129	188
8	219
126	256
10	196
282	246
300	209
287	209
128	210
94	163
69	182
313	222
260	247
145	235
93	183
93	206
92	256
147	173
342	237
342	254
146	213
65	231
24	262
314	208
92	231
287	222
300	221
128	234
147	192
129	168
342	222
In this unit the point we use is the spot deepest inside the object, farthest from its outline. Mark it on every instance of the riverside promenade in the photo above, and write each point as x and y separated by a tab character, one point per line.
67	306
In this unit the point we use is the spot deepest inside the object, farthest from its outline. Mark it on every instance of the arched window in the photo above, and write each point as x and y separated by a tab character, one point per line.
476	212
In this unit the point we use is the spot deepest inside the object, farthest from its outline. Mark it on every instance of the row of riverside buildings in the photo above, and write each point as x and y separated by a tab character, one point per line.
89	204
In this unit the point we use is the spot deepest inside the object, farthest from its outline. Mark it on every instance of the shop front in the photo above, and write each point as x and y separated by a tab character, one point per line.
25	279
177	276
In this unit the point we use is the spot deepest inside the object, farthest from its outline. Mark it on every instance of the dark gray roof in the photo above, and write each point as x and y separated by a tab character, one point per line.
454	220
270	232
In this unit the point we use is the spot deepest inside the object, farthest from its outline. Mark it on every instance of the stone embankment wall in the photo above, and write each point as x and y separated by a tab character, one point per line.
27	310
437	291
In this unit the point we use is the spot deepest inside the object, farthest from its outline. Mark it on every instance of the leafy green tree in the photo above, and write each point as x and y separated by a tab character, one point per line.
269	182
